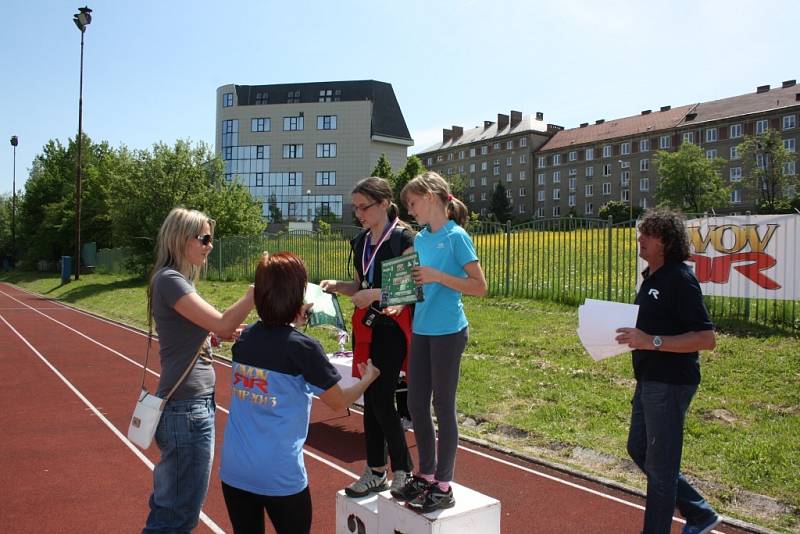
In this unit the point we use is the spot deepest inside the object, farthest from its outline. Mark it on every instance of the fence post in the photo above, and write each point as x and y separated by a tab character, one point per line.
508	257
318	237
220	260
610	263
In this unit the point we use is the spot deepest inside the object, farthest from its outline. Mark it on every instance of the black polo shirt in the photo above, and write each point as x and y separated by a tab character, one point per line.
670	303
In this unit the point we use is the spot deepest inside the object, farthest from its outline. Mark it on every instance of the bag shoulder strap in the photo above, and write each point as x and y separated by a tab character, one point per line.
185	372
396	241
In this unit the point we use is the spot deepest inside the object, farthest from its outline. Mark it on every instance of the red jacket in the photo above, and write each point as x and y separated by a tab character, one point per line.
362	337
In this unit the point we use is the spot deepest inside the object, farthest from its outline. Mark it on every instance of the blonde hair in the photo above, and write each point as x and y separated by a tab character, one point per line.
178	228
432	182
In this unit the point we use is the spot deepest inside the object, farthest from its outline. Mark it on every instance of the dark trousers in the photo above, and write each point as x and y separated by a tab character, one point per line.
289	515
383	430
655	443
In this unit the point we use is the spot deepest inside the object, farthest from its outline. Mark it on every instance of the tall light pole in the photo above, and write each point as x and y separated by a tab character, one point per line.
630	187
81	19
14	143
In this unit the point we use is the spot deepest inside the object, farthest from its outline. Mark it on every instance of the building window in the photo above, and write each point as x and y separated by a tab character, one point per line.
262	98
523	142
292	151
523	158
735	152
644	145
521	208
472	152
484	150
606	188
450	157
711	135
523	192
509	177
326	122
439	157
509	161
556	211
260	125
607	151
572	182
760	161
688	137
540	196
472	182
556	177
326	150
736	196
736	174
789	168
588	190
509	194
644	184
471	197
790	145
711	153
227	100
735	131
556	159
571	200
573	172
625	178
588	208
606	170
293	97
589	154
540	179
573	155
523	175
644	165
461	169
625	195
625	149
259	179
663	142
460	154
496	168
293	123
260	151
509	144
483	195
430	162
484	165
761	126
556	194
540	212
326	177
589	172
542	163
330	95
471	167
496	146
789	122
483	181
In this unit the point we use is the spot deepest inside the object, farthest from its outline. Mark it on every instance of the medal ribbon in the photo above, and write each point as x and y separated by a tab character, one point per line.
366	266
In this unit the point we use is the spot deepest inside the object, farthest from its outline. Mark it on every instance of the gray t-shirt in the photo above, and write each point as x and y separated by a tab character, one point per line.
179	339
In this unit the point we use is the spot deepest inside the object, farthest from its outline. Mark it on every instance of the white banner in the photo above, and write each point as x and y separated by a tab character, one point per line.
749	256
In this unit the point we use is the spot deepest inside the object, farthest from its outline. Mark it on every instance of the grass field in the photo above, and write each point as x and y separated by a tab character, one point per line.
527	384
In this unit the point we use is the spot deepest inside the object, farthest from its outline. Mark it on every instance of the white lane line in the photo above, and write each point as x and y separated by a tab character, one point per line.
139	365
203	517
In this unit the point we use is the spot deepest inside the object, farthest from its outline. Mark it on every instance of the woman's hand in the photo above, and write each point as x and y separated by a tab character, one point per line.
368	371
426	275
328	286
302	316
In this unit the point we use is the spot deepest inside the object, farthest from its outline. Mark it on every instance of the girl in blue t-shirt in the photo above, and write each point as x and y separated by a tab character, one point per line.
448	268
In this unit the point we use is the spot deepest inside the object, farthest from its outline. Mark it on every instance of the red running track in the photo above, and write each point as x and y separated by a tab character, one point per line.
69	383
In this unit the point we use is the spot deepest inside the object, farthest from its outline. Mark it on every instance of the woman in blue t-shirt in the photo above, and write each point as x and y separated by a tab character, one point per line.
448	268
276	371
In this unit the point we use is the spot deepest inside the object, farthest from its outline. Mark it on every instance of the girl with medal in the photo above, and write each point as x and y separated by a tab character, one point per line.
380	334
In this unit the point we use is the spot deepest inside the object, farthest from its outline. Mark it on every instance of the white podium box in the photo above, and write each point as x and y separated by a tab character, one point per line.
356	515
473	513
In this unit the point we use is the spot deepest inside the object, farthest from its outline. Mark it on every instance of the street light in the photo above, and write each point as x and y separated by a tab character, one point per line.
81	19
14	143
630	188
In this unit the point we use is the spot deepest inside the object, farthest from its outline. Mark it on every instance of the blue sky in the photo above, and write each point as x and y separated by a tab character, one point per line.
151	68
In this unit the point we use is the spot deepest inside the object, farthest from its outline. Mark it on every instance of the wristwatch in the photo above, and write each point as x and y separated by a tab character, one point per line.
657	342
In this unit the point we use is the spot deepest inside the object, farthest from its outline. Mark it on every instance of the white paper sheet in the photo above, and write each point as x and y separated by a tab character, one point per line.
598	321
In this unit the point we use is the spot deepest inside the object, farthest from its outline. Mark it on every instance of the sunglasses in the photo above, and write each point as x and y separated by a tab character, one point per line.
362	209
205	239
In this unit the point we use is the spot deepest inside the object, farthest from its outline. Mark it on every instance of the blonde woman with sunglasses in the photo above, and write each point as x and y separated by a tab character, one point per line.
183	321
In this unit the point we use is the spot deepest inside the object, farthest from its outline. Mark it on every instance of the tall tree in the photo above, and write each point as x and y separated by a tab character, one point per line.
689	181
500	205
412	168
768	166
383	168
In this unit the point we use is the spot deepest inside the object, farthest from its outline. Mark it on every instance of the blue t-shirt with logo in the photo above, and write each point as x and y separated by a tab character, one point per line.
448	250
275	372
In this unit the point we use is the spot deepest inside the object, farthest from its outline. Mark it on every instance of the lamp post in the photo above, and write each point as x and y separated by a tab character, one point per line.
14	143
630	188
81	19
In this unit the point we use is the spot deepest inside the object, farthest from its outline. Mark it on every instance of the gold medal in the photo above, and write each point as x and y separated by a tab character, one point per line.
364	284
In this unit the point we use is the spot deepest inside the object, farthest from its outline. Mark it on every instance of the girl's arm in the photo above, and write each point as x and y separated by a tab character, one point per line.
474	284
194	308
339	398
347	288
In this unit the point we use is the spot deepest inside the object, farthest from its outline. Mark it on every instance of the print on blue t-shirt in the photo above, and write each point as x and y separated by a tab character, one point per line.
448	249
275	372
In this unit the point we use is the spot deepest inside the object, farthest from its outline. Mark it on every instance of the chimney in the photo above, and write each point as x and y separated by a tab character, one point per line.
762	89
554	128
646	112
447	135
487	124
666	108
599	121
516	118
539	116
584	124
458	131
789	83
502	121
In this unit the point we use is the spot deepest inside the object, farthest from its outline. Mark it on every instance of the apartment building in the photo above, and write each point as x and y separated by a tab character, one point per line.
303	169
497	152
580	169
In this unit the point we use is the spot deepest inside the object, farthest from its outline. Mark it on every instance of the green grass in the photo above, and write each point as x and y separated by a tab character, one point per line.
528	383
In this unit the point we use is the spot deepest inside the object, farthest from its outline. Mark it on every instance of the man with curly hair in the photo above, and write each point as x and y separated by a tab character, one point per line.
672	327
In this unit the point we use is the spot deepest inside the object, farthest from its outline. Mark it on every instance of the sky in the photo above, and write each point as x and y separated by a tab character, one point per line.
151	68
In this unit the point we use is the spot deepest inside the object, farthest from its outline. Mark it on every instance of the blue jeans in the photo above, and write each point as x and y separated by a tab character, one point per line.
185	436
655	443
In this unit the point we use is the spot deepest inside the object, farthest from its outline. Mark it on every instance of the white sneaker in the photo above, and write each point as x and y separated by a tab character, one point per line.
368	483
399	479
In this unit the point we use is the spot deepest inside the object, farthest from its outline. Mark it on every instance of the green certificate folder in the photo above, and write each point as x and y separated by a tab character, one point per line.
326	310
398	284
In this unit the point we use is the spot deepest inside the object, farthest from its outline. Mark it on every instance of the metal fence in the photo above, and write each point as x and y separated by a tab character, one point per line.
564	260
